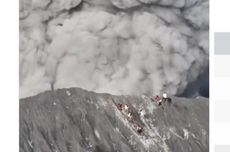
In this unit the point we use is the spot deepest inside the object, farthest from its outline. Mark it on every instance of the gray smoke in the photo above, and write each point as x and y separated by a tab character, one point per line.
117	46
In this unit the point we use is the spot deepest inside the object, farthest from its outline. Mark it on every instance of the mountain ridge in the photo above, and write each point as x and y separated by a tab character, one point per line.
73	119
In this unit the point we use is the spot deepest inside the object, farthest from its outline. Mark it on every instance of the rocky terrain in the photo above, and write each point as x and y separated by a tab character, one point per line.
75	120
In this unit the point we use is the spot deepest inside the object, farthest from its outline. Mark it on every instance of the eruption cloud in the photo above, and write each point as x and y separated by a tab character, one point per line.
117	46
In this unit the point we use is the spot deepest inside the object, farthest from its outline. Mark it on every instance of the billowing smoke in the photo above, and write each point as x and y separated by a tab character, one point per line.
117	46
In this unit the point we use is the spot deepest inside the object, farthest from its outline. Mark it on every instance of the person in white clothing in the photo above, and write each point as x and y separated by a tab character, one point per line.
130	116
165	96
126	107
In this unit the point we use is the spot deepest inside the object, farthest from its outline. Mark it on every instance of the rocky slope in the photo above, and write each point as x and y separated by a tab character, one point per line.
75	120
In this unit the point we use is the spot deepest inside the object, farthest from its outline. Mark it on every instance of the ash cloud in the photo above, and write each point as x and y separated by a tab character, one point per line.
117	46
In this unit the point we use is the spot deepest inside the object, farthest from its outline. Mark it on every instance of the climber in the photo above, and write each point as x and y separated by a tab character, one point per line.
126	107
138	129
119	106
130	116
155	98
141	112
166	98
158	99
159	102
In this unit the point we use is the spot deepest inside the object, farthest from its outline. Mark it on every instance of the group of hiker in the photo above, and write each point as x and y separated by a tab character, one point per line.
159	100
124	108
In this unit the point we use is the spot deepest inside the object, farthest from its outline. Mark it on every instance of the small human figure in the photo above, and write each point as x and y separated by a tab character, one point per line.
142	112
138	129
157	98
130	116
166	98
126	107
119	106
159	102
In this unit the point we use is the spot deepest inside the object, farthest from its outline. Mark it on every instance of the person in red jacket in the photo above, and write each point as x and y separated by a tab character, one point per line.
119	106
157	98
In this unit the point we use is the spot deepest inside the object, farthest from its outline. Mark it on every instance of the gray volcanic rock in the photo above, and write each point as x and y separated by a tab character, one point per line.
75	120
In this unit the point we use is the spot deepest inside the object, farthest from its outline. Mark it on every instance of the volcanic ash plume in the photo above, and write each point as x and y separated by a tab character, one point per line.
119	47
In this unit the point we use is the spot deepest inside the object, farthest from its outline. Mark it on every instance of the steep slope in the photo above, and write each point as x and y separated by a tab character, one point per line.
75	120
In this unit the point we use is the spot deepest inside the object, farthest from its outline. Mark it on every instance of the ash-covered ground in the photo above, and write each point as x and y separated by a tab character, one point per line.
75	120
